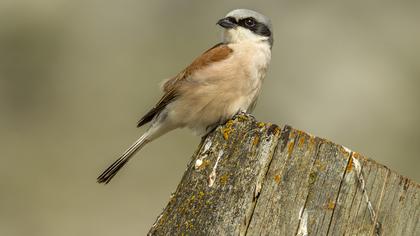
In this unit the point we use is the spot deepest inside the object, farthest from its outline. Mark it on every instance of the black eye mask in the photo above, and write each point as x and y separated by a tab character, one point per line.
255	26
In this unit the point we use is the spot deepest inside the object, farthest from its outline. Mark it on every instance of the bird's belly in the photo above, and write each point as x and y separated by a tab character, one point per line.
206	107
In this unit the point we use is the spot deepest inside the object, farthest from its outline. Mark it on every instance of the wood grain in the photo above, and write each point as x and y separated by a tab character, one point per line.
251	178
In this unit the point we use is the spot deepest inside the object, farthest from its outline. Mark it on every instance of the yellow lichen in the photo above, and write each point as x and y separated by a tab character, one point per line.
256	141
331	205
277	178
261	124
224	178
312	145
204	164
350	165
321	166
227	130
301	141
242	117
312	141
357	155
290	147
277	131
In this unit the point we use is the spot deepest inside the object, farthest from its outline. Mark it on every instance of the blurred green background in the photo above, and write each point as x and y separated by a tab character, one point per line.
76	75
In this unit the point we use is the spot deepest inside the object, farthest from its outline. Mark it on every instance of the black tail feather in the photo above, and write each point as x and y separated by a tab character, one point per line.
112	170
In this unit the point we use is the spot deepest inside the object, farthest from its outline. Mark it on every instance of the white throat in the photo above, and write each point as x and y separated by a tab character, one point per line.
240	34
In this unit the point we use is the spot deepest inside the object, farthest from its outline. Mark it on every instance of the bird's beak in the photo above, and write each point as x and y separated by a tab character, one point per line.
227	23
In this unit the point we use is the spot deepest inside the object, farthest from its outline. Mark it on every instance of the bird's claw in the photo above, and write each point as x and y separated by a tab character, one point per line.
243	114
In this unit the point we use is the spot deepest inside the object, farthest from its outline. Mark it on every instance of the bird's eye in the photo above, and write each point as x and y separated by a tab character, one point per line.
249	22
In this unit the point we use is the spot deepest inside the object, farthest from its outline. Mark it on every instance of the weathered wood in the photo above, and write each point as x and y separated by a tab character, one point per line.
251	178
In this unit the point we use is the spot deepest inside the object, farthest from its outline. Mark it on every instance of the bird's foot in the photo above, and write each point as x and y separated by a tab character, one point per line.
240	116
243	115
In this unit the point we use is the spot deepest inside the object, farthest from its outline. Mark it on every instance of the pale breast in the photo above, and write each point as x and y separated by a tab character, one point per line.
218	91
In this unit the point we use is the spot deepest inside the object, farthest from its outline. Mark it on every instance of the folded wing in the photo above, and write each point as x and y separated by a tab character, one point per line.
217	53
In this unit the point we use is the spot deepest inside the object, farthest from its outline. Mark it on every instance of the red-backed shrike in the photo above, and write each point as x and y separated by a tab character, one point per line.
223	81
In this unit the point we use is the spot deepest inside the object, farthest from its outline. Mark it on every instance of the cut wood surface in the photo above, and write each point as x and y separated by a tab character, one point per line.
253	178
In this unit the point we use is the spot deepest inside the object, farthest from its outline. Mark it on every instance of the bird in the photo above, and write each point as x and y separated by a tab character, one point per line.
223	81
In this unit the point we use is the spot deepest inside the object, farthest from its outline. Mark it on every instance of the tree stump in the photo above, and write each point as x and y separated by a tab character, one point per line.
253	178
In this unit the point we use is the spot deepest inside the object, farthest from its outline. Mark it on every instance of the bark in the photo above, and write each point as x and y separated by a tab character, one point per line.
253	178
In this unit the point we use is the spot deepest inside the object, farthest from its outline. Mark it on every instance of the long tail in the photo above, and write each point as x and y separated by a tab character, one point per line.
112	170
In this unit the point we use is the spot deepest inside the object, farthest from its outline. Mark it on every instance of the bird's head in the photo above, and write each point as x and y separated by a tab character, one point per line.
246	25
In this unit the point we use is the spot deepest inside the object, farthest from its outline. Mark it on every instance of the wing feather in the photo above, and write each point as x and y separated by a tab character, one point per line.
217	53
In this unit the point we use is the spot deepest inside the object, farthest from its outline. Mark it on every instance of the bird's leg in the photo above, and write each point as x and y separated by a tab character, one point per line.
241	114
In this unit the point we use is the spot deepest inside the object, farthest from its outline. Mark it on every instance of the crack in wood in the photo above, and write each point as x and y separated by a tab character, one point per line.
307	195
361	181
339	188
261	181
286	183
376	224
